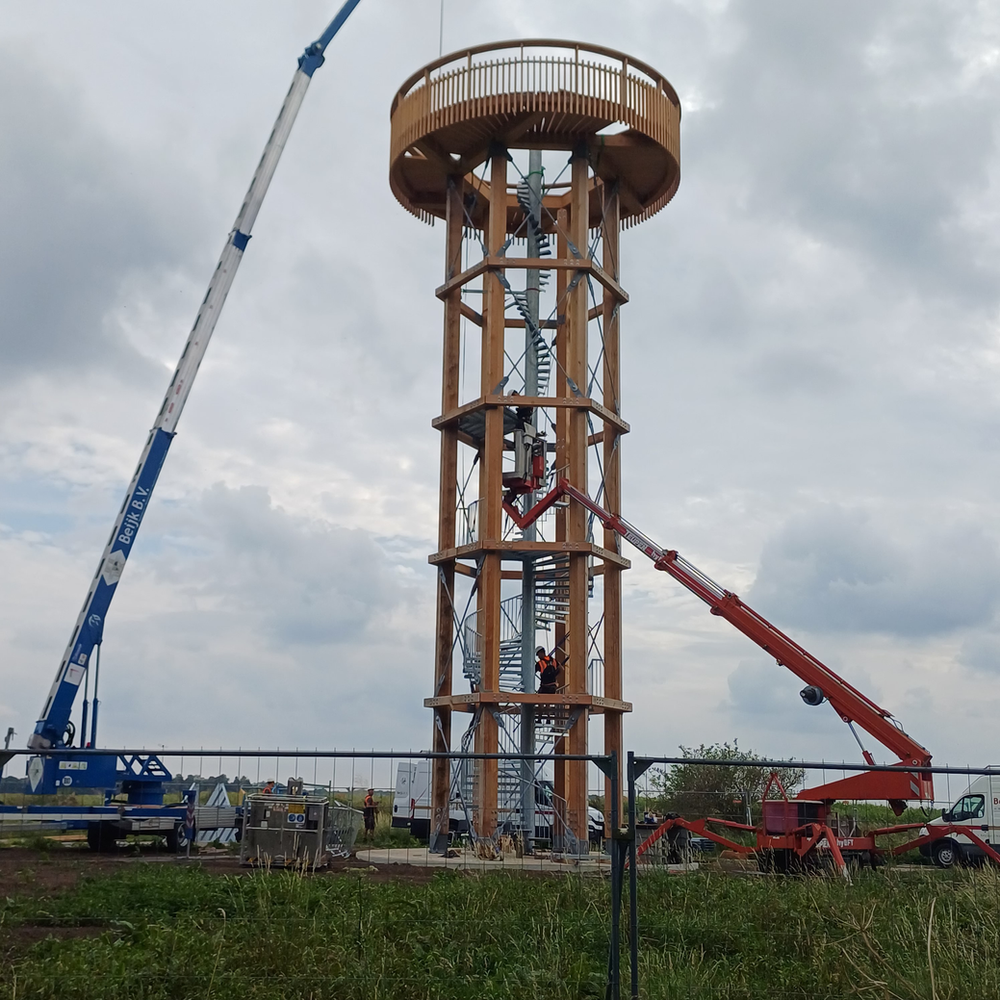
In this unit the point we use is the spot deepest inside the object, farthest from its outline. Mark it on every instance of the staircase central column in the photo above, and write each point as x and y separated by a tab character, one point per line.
532	279
576	367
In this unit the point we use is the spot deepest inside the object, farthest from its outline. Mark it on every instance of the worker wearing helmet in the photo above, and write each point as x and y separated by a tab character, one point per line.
548	671
369	813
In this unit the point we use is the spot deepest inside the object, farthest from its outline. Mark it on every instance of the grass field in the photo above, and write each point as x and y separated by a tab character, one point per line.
134	929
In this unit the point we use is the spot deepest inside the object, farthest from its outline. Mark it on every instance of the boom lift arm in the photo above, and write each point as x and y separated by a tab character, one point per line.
823	684
53	726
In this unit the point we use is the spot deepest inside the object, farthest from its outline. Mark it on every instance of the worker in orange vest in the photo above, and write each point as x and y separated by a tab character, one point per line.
547	669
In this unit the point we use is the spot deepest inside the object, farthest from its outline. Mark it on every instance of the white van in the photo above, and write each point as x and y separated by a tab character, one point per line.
411	805
411	802
978	809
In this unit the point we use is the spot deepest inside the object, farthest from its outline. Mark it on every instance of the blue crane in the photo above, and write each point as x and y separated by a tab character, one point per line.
54	728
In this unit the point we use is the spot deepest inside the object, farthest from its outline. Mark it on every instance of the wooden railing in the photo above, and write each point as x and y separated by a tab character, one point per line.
593	82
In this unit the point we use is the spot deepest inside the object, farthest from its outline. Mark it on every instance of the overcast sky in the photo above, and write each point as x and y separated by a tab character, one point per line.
811	367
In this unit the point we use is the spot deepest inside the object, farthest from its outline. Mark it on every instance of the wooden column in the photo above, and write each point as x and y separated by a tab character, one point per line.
576	369
611	378
448	499
491	489
562	460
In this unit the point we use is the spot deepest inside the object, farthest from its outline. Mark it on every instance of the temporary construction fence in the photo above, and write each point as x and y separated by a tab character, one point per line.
736	816
730	817
217	782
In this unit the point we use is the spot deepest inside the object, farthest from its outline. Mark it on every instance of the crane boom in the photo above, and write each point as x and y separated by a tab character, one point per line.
52	724
850	704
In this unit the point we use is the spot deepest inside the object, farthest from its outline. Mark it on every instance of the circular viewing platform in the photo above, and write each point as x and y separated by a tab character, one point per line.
536	94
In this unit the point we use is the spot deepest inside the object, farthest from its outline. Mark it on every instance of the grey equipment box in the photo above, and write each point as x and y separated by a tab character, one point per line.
295	830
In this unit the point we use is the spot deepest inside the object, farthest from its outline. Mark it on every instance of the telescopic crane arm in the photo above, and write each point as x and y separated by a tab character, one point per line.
823	684
51	728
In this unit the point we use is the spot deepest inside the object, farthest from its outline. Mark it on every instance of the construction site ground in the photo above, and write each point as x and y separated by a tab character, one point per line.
467	859
30	871
145	923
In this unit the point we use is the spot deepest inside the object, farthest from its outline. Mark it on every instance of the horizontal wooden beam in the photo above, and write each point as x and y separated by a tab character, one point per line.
537	402
463	278
536	264
516	574
468	702
556	264
515	545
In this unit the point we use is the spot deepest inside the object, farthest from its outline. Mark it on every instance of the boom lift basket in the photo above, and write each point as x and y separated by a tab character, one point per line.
783	815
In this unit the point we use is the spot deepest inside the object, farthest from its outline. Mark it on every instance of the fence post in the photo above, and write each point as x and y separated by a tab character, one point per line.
633	911
616	848
190	825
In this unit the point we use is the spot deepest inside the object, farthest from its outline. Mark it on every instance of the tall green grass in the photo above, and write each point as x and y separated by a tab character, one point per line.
173	932
817	937
169	931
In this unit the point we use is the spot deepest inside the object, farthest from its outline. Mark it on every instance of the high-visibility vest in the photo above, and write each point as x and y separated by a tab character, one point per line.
548	668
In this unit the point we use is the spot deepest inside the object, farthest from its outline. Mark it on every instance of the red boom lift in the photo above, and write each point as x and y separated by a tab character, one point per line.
793	831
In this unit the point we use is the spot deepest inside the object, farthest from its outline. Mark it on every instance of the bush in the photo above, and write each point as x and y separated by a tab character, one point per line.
722	790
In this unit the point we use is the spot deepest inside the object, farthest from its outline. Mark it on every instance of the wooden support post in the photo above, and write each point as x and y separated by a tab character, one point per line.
486	786
491	487
611	378
577	431
562	460
448	498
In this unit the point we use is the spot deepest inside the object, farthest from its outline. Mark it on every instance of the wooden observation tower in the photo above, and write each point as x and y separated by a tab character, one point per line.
536	154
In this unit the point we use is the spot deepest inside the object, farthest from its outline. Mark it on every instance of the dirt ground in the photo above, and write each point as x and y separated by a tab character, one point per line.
31	874
26	873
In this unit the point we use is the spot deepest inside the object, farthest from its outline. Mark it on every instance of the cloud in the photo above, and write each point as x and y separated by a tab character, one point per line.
294	581
298	626
837	569
981	652
765	694
79	225
890	137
